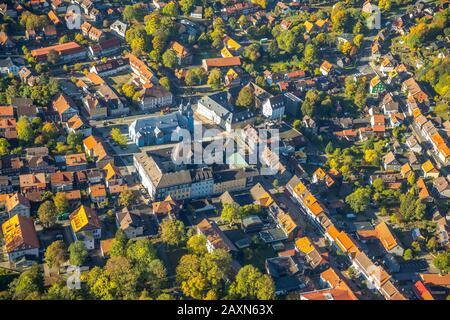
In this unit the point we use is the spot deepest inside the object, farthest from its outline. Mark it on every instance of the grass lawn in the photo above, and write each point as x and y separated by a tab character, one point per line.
118	80
257	255
171	256
6	277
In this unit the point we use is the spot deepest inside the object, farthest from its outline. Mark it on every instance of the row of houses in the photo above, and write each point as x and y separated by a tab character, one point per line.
375	275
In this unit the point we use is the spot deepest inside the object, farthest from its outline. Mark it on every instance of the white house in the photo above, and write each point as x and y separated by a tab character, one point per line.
273	108
119	28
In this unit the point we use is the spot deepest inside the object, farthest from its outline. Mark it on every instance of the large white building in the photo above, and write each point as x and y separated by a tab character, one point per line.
273	108
220	109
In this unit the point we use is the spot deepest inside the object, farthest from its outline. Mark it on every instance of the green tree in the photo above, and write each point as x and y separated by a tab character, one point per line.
431	244
126	198
411	208
172	232
408	255
411	179
358	40
56	254
25	131
310	104
118	137
230	213
329	148
384	5
252	52
246	98
61	202
53	57
119	244
359	200
310	54
60	291
48	213
4	146
197	244
203	277
135	12
250	283
165	83
186	6
442	261
99	285
170	10
378	184
30	283
123	277
170	59
214	78
77	253
49	131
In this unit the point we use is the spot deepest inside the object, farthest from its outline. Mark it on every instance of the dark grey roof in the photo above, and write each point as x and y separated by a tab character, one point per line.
221	104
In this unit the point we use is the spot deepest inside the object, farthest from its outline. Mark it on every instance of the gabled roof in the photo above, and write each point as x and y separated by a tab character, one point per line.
16	199
111	171
436	279
84	218
19	234
168	205
63	103
386	237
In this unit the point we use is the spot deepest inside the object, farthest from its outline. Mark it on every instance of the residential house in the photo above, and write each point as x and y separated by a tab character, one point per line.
96	108
142	71
376	85
65	107
104	48
391	163
220	109
383	233
130	222
32	182
412	88
159	182
215	238
97	193
112	175
274	107
429	170
119	28
76	124
442	187
326	68
76	162
24	107
183	54
413	144
6	44
68	52
228	62
8	129
154	97
85	226
61	181
17	204
20	238
8	66
167	208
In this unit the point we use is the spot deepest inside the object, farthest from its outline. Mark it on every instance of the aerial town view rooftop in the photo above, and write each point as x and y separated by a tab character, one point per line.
224	150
